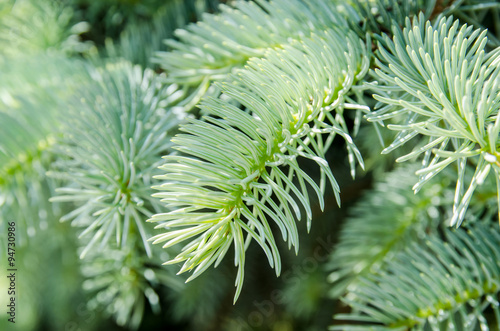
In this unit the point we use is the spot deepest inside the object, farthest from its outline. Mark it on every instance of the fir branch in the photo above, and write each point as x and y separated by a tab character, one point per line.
441	285
143	36
448	87
113	138
227	185
121	281
212	48
34	26
390	218
33	95
387	219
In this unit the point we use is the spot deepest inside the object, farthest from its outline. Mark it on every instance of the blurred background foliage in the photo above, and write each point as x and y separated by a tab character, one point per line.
57	53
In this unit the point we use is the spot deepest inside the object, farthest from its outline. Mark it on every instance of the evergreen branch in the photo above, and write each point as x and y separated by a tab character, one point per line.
442	79
113	138
212	48
382	224
121	281
114	132
232	183
390	218
141	37
441	285
41	25
33	94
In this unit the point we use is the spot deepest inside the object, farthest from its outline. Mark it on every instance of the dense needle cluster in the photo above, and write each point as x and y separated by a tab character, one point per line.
447	87
240	161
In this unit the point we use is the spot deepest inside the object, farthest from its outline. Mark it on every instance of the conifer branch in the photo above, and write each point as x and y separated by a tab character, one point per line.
438	285
123	280
383	223
212	48
113	138
448	88
34	26
33	96
217	195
